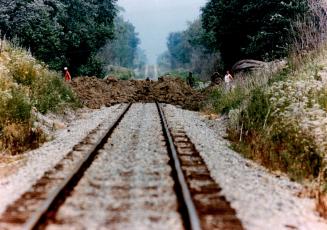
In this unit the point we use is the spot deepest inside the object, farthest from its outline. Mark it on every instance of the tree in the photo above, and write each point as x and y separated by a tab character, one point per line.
60	32
123	49
87	25
187	50
179	49
251	29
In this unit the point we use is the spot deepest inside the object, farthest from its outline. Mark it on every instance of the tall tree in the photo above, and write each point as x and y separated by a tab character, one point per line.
188	50
60	32
87	25
252	28
123	49
179	49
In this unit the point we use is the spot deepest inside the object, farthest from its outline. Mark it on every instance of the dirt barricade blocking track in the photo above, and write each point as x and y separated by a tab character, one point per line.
94	92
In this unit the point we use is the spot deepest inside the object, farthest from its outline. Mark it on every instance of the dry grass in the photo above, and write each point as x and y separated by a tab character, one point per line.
26	83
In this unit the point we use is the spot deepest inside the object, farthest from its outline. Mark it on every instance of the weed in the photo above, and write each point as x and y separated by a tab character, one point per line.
225	100
18	107
27	83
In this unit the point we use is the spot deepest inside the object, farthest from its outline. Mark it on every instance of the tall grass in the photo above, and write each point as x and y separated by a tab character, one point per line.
26	83
223	99
278	116
276	123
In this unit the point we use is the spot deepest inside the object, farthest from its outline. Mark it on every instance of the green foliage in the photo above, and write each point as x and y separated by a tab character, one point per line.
18	107
224	100
322	100
188	50
279	123
123	49
257	112
50	93
26	83
276	143
179	49
60	32
281	147
251	29
94	67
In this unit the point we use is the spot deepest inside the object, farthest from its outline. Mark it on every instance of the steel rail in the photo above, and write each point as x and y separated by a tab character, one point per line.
191	215
39	217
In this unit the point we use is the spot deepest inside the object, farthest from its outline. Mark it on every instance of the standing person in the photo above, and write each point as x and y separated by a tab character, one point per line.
67	75
228	80
190	79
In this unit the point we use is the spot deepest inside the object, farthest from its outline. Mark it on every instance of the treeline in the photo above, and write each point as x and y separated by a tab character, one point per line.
189	50
229	31
124	49
63	32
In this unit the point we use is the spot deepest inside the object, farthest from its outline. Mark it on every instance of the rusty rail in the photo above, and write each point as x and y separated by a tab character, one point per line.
51	203
202	204
188	209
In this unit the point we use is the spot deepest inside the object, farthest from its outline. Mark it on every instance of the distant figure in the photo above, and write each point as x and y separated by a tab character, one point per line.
228	80
67	75
190	80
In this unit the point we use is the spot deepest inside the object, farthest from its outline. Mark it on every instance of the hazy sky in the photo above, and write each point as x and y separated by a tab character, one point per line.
155	19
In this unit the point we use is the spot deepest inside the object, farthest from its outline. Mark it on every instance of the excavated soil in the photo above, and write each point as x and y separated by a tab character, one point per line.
94	92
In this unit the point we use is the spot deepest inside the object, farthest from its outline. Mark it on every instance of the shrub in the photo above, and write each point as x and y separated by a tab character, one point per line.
224	100
50	93
18	107
27	83
19	137
282	124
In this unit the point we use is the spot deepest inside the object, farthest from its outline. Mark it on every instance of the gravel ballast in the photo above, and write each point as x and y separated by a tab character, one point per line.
128	186
38	161
261	200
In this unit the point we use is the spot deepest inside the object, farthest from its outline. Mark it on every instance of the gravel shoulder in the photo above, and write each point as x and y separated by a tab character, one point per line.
29	167
261	200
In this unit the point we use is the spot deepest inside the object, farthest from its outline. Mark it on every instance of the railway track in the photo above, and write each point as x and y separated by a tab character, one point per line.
156	180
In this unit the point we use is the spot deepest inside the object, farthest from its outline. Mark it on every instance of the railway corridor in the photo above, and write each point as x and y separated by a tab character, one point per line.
153	166
128	186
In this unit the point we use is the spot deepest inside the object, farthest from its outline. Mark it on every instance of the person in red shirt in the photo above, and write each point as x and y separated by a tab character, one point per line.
67	75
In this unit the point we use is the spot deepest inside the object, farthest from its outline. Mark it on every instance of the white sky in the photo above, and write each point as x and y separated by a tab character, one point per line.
155	19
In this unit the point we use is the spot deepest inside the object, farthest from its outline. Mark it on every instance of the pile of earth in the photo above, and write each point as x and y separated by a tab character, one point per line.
94	92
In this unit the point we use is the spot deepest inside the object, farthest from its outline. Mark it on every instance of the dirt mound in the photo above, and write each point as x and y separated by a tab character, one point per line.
94	92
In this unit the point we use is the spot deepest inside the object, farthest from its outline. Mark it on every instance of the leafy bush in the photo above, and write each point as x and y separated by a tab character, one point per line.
18	107
282	123
50	93
251	29
225	100
275	142
26	83
60	33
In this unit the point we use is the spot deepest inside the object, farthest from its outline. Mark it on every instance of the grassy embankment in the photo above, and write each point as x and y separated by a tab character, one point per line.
26	84
279	119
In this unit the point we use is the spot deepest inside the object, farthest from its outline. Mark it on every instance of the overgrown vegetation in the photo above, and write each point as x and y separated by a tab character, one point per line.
253	29
277	114
188	51
61	32
26	85
229	31
124	49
